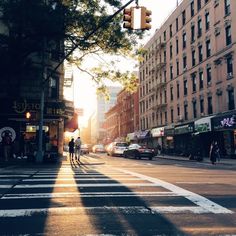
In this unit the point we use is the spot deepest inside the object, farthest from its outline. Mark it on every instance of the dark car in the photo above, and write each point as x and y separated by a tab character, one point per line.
139	151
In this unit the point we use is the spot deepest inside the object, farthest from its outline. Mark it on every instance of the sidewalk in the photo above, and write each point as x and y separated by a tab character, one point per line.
224	161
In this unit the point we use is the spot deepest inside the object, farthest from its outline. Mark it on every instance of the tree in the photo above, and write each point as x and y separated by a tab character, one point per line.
27	23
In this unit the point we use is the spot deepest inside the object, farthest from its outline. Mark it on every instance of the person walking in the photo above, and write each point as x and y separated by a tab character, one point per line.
6	143
77	148
71	149
214	149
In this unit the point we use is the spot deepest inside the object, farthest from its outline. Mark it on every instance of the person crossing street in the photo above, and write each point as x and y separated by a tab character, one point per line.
77	148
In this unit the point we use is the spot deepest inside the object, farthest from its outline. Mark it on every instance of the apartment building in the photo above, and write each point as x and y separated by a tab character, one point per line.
187	78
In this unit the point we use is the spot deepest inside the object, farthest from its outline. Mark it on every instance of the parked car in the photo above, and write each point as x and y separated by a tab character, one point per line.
116	148
98	148
139	151
84	149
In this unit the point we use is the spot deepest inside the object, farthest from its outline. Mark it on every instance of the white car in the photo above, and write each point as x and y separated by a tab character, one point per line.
98	148
116	148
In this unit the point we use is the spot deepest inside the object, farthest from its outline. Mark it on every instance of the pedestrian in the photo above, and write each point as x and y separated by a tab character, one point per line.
217	151
77	148
22	145
214	150
71	148
6	143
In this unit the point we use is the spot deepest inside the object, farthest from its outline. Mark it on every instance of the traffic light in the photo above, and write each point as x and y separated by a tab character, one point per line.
128	18
145	18
27	115
31	115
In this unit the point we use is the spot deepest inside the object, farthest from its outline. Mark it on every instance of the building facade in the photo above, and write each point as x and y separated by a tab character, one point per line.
122	120
187	78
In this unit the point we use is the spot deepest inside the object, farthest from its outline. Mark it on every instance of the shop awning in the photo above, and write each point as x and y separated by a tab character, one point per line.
72	124
203	124
131	136
157	132
143	134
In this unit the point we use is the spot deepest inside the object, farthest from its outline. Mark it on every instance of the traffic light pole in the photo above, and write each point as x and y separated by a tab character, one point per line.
39	157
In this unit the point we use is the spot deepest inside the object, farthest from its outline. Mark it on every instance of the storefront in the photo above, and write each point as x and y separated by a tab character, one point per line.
224	132
183	139
13	115
157	138
144	137
168	143
131	138
203	135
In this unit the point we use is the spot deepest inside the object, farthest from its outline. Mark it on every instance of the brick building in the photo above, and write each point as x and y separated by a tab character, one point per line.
187	78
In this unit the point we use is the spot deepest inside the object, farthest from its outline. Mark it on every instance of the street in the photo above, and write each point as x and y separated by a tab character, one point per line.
103	195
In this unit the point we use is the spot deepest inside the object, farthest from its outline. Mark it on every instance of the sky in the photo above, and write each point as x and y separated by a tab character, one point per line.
85	89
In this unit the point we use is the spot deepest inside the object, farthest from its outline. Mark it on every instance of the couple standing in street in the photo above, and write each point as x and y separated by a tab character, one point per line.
74	148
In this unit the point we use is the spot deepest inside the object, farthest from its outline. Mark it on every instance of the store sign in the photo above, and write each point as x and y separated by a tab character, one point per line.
224	122
203	125
157	132
183	129
7	130
34	128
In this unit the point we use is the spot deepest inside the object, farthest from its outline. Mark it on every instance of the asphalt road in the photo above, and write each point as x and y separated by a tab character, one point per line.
104	195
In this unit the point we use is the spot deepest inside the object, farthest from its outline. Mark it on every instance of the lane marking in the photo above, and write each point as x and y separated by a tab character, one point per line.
15	176
80	179
87	194
196	182
5	186
105	209
201	201
77	175
85	185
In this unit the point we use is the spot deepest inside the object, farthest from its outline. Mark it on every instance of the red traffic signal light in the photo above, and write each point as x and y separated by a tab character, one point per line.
128	18
145	18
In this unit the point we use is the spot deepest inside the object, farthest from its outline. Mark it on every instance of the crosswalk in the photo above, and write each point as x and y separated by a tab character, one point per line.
95	189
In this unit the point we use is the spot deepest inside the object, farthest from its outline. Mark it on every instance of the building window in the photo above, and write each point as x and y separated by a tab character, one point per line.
227	7
209	102
192	8
177	90
171	53
177	68
199	25
170	31
177	46
171	94
183	18
208	75
231	104
184	62
201	80
172	115
54	88
228	35
194	109
200	53
229	61
186	111
202	106
178	111
177	24
185	87
207	21
194	85
165	75
184	40
164	35
208	48
199	5
192	33
171	72
193	58
165	56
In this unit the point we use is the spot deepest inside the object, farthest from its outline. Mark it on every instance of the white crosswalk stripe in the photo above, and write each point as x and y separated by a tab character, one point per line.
102	184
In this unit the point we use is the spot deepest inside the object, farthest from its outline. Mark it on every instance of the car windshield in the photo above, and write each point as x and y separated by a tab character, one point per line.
121	144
